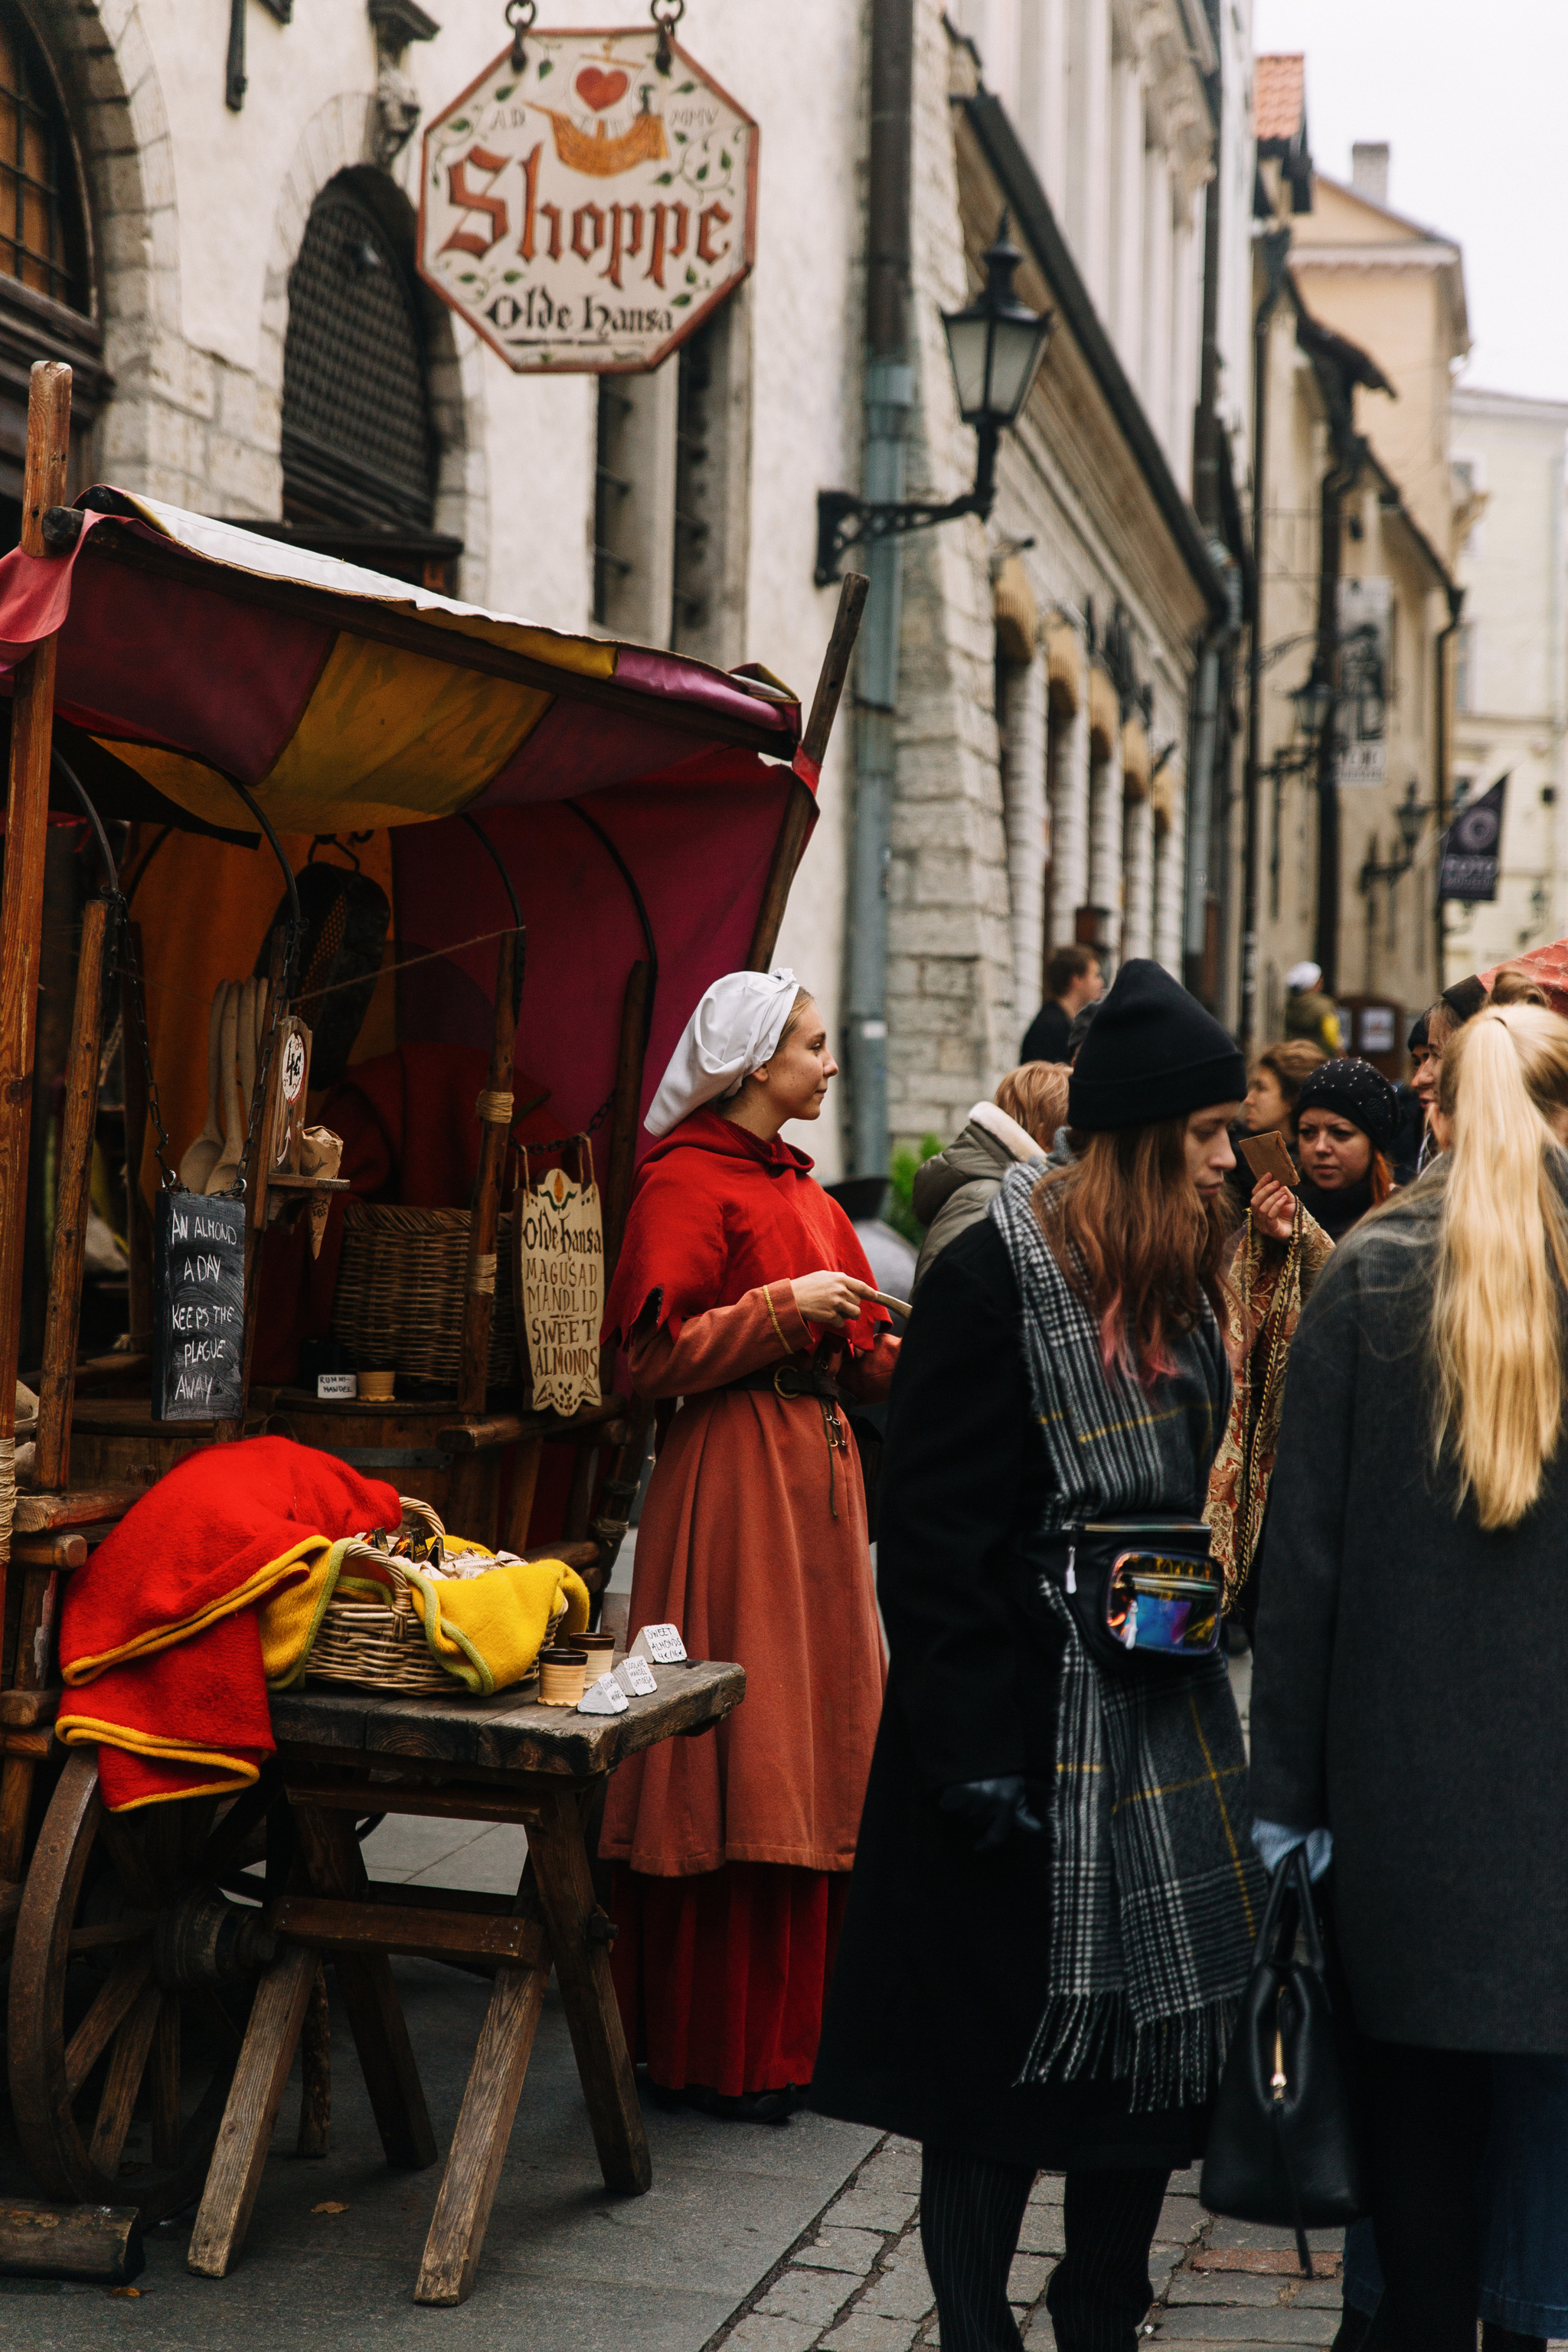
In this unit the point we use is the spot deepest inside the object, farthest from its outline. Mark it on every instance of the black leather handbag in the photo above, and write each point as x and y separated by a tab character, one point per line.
1283	2145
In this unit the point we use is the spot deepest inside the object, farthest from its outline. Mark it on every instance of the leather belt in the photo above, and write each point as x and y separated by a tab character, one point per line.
803	1375
798	1376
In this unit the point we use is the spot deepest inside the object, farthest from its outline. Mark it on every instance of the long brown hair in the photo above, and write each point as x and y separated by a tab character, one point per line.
1136	1241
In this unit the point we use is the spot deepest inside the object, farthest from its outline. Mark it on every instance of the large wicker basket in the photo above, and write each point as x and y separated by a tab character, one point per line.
399	1303
380	1645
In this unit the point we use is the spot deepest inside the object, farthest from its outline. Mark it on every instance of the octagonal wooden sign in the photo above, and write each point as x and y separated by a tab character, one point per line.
589	211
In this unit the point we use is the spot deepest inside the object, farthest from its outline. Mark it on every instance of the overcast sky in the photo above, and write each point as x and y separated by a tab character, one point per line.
1469	96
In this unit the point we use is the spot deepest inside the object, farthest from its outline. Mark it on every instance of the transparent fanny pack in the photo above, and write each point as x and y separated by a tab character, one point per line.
1140	1589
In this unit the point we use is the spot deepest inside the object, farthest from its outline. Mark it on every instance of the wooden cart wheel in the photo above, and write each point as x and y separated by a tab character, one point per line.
130	1984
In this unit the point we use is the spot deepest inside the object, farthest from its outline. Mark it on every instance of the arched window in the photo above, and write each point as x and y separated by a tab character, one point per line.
359	454
43	224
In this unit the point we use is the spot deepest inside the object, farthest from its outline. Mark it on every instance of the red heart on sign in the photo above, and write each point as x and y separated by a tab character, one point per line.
600	89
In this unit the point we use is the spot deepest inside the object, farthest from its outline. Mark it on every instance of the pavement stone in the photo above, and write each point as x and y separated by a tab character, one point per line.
762	2332
818	2295
1214	2326
902	2290
842	2250
863	2331
871	2209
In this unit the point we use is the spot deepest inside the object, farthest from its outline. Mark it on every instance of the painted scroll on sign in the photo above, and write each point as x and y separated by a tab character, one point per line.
558	1283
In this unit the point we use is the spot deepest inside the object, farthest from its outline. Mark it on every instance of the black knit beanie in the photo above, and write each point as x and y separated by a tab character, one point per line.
1153	1053
1357	1092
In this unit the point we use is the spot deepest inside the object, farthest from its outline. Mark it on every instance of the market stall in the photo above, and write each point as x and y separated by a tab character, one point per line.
398	898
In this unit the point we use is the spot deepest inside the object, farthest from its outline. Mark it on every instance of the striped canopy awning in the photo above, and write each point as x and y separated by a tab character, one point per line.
200	655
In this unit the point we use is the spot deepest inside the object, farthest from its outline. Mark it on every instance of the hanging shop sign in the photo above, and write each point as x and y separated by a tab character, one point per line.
198	1307
1362	705
588	210
558	1283
1472	848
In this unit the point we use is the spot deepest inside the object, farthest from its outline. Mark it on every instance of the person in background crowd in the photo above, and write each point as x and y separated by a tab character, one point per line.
1073	979
954	1189
1083	1020
742	1295
1407	1700
1308	1012
1010	1999
1277	1077
1344	1123
1444	1020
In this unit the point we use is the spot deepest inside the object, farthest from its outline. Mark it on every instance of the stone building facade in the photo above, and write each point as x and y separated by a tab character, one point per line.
1511	695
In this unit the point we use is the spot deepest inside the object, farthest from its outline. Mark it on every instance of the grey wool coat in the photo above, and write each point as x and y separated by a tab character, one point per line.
1411	1681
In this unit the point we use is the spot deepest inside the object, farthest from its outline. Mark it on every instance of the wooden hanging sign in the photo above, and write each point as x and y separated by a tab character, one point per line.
198	1307
558	1283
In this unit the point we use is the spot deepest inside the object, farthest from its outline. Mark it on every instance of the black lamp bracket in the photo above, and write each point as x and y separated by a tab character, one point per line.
845	520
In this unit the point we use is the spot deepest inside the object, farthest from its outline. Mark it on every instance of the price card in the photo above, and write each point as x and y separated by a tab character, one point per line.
635	1674
604	1697
662	1644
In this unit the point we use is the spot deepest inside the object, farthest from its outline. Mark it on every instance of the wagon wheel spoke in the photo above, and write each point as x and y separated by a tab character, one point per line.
126	1929
126	2068
246	1814
166	2084
126	1981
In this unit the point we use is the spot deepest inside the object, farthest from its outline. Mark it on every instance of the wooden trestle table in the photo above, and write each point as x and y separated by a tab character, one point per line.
495	1759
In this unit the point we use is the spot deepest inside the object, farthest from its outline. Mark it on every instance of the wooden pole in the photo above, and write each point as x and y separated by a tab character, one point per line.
77	1134
494	1107
138	1217
257	1172
624	1118
802	803
21	902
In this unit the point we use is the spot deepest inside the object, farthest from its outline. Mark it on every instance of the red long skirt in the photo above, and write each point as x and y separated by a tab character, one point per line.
721	1978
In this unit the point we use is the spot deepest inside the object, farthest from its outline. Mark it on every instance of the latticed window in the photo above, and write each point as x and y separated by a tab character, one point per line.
43	240
357	444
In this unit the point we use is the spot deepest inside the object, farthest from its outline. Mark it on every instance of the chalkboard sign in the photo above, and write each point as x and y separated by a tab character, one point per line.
198	1307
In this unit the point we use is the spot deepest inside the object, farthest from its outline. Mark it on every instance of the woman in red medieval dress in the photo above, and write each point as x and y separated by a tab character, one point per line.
742	1292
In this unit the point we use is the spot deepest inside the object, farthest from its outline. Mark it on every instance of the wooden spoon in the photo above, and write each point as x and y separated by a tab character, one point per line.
205	1153
227	1168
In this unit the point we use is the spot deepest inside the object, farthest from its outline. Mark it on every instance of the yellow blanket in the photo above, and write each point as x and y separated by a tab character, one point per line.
487	1631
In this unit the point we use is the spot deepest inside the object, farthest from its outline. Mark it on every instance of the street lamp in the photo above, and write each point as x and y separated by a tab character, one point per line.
994	346
1314	701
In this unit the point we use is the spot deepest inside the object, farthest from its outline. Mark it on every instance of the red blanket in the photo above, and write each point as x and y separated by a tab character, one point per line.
161	1624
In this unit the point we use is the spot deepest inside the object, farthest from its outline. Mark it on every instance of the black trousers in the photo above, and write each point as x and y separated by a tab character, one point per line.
1428	2112
971	2212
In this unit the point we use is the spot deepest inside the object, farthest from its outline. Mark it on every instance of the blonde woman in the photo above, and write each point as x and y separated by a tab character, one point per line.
1412	1648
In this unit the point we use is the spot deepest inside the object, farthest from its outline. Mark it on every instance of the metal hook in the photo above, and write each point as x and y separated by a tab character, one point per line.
520	15
666	15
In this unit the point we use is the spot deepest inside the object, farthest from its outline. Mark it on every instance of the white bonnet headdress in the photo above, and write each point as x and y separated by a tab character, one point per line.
734	1030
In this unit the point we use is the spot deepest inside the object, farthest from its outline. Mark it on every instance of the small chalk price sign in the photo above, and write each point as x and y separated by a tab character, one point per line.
198	1307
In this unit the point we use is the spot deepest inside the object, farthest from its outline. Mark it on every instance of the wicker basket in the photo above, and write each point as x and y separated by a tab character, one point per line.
400	1293
381	1645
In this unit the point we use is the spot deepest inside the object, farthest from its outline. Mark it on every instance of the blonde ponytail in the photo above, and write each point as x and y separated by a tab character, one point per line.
1503	1267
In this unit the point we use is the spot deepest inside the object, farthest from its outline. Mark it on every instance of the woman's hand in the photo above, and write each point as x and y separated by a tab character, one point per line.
830	1298
1273	1208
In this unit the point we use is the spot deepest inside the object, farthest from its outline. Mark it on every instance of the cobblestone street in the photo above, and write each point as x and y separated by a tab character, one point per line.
857	2282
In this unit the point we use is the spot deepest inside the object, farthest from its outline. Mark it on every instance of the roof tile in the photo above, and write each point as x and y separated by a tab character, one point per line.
1279	96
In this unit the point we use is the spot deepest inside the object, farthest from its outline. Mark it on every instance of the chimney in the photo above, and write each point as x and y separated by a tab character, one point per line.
1368	169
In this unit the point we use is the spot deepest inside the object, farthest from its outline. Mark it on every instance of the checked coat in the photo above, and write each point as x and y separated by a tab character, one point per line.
943	1972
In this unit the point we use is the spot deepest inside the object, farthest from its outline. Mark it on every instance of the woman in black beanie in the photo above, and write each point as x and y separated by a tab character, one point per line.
1049	1921
1345	1120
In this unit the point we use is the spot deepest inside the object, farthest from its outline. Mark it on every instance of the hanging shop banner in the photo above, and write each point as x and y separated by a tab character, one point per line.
1472	848
558	1284
1361	708
198	1307
589	211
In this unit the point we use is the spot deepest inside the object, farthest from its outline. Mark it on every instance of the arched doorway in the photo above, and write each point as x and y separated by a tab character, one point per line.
359	447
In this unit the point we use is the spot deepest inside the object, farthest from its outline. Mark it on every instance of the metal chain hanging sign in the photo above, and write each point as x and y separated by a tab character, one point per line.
558	1283
586	207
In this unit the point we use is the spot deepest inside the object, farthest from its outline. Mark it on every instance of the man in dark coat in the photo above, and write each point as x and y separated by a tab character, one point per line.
1073	979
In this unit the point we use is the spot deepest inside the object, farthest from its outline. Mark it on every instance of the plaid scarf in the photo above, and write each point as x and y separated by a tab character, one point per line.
1155	1889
